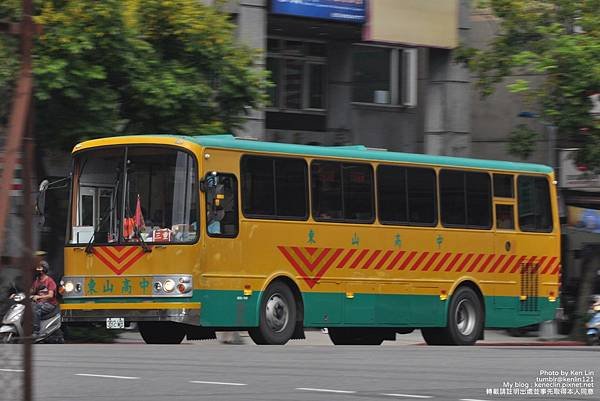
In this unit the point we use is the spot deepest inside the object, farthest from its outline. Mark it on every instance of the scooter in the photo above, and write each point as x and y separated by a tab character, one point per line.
593	325
12	330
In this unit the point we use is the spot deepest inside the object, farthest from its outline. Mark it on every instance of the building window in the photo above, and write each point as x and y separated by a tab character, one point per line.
298	70
385	75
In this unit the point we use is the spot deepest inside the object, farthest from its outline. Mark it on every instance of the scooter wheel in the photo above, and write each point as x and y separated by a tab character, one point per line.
7	338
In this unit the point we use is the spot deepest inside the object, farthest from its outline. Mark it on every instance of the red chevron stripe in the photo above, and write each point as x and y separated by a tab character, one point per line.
382	261
536	267
430	262
118	258
475	263
464	263
302	258
310	250
556	269
486	263
441	263
132	261
342	263
371	259
549	264
418	262
498	261
541	262
451	265
333	258
396	259
508	262
408	259
311	283
360	257
517	265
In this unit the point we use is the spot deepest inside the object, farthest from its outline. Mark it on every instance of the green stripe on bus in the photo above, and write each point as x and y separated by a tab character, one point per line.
233	309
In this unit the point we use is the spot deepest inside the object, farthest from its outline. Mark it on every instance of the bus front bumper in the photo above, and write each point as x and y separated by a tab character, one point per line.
180	312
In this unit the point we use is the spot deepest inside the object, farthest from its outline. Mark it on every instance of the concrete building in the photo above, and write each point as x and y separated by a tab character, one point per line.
377	72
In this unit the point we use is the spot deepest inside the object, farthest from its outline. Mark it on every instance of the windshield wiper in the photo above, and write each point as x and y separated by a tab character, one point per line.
137	234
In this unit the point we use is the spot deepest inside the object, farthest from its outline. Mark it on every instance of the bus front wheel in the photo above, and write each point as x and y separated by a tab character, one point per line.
277	316
161	332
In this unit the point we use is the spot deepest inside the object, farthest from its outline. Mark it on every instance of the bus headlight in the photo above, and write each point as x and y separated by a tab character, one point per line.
169	285
69	287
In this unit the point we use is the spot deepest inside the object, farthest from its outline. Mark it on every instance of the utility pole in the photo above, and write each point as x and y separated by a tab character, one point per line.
20	127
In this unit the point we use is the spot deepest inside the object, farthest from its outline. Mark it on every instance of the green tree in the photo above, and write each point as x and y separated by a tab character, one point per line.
558	40
117	67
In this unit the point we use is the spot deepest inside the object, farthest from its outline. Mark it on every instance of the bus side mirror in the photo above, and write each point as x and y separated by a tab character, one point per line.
40	205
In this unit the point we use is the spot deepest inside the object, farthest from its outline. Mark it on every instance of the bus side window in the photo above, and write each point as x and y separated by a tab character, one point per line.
221	205
505	219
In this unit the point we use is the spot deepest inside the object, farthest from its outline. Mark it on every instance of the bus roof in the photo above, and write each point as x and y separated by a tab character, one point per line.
361	152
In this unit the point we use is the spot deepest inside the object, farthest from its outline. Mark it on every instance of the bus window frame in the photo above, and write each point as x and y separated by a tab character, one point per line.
436	217
125	153
550	203
344	220
236	207
253	216
490	199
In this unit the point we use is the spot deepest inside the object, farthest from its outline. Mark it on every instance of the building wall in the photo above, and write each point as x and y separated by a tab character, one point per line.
494	117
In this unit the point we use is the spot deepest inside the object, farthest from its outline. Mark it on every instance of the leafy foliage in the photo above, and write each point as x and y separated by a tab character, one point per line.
556	39
522	141
116	67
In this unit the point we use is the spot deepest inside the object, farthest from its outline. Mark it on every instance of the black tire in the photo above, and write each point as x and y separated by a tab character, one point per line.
465	317
355	336
55	338
465	321
8	338
435	336
161	332
277	316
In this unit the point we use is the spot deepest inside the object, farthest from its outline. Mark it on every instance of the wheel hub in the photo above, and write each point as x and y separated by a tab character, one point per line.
465	317
277	313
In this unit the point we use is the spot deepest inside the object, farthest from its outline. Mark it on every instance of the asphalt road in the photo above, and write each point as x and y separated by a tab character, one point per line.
213	371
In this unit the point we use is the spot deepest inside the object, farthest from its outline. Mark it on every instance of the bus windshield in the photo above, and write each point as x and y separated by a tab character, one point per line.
126	194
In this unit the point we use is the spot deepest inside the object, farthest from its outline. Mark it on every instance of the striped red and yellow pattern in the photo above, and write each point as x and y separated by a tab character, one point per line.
313	263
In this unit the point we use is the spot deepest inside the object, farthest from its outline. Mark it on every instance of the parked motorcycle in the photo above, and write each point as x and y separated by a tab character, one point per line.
12	330
593	325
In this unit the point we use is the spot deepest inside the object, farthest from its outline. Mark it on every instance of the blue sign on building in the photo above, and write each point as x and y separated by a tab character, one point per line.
338	10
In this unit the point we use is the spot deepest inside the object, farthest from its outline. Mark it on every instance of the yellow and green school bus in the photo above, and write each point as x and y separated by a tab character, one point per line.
190	235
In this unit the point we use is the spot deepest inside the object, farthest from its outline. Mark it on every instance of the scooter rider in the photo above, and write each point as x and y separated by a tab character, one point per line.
43	291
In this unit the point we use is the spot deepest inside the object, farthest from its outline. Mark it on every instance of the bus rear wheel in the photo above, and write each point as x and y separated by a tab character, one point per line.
161	332
355	336
277	316
465	321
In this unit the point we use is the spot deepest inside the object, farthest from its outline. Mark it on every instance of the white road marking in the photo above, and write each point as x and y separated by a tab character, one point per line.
325	390
12	370
107	376
408	395
221	383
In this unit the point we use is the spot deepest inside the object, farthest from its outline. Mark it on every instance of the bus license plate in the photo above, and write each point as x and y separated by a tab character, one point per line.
115	323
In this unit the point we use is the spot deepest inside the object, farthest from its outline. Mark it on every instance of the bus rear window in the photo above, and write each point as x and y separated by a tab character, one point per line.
535	212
